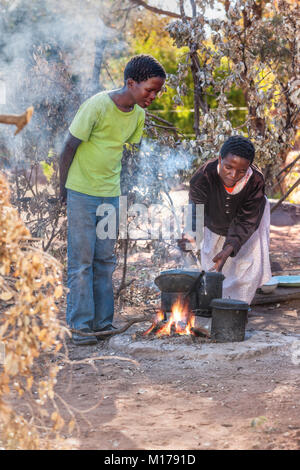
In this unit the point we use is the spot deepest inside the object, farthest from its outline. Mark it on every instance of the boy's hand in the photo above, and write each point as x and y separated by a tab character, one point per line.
184	241
221	258
63	196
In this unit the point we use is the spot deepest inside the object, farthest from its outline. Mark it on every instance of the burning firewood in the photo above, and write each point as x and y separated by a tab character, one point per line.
154	328
200	332
173	329
180	322
157	324
19	120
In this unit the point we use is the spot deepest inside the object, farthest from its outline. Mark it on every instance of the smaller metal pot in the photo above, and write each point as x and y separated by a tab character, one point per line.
229	318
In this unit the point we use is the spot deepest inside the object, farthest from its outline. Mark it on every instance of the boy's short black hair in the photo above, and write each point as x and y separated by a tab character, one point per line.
240	146
141	67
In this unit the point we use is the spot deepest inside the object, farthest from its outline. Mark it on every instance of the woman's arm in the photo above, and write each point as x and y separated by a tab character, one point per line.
248	217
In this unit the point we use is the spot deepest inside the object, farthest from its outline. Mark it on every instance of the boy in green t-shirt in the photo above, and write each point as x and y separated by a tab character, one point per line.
90	167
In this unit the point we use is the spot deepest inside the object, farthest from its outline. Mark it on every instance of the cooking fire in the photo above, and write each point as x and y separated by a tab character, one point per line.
181	322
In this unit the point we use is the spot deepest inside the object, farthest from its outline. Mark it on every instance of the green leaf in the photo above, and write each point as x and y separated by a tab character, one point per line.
47	170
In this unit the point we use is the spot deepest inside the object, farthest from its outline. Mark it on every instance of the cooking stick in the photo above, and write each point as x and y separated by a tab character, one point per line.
194	285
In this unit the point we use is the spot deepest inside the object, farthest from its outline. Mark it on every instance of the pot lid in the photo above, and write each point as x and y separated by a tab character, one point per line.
176	280
229	304
180	280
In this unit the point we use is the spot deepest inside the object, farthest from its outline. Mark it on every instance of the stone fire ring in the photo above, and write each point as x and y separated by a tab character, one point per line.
256	343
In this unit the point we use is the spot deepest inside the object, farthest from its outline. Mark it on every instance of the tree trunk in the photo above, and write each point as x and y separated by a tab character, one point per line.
100	45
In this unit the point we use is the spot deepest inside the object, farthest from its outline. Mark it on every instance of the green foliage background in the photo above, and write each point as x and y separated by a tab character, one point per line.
148	35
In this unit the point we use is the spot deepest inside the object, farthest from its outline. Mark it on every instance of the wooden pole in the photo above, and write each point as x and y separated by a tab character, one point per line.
18	120
286	195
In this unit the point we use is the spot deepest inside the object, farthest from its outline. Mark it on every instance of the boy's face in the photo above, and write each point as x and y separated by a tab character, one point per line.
232	169
145	92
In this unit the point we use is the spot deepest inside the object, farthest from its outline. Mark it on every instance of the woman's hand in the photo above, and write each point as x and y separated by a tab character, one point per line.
184	241
221	258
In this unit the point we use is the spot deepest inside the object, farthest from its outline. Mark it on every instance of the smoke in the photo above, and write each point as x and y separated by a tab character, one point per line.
74	26
155	171
47	54
161	212
163	165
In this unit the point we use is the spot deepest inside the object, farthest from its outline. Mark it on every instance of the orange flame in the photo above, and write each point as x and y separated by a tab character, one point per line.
180	322
159	317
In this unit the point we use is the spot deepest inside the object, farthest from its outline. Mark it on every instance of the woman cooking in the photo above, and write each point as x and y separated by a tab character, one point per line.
236	219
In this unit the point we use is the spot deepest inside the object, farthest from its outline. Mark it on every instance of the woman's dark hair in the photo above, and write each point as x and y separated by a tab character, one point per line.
141	67
240	146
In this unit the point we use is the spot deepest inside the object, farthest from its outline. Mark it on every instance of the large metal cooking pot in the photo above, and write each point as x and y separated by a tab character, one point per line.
175	282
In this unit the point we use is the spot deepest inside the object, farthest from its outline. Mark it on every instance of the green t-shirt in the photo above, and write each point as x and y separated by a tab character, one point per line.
103	129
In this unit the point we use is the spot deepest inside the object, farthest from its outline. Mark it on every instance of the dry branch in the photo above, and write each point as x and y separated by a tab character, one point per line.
123	281
168	125
107	334
158	10
286	195
153	116
288	167
91	360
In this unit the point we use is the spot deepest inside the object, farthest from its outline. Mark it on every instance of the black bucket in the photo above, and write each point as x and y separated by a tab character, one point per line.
229	318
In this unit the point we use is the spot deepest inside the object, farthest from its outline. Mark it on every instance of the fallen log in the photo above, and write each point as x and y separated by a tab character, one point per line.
281	294
200	332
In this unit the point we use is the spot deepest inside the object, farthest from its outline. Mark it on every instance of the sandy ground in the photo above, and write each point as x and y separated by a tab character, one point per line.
159	403
249	404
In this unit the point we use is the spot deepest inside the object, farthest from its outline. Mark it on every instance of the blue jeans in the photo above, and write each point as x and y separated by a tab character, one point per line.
91	263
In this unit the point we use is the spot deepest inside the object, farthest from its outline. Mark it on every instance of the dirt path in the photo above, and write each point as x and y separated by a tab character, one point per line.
240	405
165	404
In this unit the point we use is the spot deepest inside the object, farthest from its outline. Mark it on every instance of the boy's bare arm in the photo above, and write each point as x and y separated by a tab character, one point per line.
65	161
